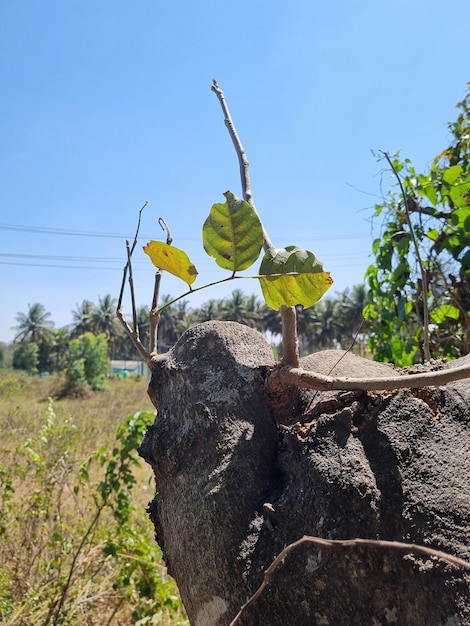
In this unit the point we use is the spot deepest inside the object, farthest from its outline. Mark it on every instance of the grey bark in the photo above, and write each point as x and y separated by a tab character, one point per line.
388	465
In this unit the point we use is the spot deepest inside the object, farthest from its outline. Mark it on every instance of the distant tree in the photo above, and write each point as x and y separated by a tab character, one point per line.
6	355
34	325
236	309
143	322
210	310
351	317
60	346
82	317
103	317
174	320
26	356
87	363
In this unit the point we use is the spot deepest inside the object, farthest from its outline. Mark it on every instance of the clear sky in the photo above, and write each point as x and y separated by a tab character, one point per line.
106	104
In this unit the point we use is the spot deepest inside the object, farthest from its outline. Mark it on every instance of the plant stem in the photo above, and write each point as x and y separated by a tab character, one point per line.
424	278
242	158
290	344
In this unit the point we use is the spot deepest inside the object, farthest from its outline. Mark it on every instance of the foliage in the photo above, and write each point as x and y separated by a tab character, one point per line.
34	325
26	357
303	280
6	355
87	363
333	321
74	546
438	209
233	235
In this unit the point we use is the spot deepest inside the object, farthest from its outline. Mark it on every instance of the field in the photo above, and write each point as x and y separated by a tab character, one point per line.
76	547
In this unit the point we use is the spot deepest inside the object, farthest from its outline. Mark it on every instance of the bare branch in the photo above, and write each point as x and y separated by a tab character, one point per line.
134	337
164	226
347	543
131	286
288	314
310	380
154	316
424	278
126	267
242	159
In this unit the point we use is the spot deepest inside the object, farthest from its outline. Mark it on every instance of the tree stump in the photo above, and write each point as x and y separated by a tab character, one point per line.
234	488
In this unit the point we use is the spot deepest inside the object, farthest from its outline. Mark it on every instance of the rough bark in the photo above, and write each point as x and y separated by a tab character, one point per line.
389	465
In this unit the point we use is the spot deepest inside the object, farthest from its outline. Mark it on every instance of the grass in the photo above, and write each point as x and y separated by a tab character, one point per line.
76	546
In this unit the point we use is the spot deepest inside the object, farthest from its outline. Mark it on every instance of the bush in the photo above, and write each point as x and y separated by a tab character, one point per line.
87	363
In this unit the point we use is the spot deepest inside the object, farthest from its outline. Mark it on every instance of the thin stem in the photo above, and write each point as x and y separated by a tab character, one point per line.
154	315
288	314
74	561
164	226
134	337
424	278
191	291
347	543
310	380
242	158
121	293
131	287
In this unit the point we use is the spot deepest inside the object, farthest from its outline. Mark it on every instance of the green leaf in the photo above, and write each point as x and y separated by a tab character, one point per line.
433	234
444	311
233	234
172	260
291	276
376	245
450	174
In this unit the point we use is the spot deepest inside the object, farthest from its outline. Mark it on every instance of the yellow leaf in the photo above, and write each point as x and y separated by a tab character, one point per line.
293	289
171	260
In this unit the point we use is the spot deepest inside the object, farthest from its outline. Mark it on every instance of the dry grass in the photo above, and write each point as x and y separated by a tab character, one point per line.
112	572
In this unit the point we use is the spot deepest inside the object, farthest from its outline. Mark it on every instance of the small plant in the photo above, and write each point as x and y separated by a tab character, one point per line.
87	364
234	235
419	284
86	554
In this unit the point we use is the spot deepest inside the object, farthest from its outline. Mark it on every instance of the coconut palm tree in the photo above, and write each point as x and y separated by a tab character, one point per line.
236	309
174	320
35	325
210	310
83	318
103	318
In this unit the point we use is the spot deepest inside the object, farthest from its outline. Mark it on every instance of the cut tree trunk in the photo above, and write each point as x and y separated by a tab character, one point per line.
234	488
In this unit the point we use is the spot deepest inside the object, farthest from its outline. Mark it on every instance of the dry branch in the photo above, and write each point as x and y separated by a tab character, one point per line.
347	543
290	344
305	379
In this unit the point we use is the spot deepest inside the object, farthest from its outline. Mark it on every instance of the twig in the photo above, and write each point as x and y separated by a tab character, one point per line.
310	380
134	337
356	335
131	287
164	226
154	315
242	159
347	543
132	332
424	279
121	293
290	343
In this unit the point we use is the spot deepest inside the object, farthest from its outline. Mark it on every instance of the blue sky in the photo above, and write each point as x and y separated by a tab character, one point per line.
107	104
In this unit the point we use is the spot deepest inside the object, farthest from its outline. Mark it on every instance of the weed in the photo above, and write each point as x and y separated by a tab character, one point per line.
76	545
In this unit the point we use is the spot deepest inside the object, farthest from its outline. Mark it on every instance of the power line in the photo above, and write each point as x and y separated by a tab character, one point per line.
89	233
